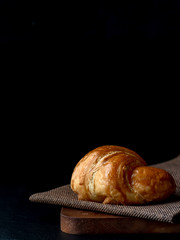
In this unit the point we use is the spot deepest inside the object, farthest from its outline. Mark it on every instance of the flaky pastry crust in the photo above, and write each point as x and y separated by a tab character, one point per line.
118	175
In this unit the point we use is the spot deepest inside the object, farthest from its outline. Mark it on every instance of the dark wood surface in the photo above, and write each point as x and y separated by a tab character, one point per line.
21	219
75	221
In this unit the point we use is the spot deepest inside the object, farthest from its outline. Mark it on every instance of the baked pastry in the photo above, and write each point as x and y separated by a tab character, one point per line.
117	175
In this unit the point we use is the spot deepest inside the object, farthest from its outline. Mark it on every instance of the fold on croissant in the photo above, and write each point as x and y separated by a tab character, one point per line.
117	175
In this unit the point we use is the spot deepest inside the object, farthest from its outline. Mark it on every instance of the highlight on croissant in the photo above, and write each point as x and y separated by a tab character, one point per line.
117	175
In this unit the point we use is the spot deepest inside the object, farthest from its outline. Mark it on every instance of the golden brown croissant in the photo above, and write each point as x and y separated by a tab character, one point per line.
117	175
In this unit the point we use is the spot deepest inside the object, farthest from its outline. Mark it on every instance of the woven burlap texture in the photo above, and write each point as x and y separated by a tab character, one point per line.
166	211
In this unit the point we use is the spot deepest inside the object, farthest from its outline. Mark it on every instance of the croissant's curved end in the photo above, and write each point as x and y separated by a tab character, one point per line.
117	175
152	184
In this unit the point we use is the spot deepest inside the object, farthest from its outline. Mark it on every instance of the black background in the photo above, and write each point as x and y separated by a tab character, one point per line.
45	136
84	74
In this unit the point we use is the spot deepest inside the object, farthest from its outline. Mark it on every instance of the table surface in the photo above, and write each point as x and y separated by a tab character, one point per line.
23	220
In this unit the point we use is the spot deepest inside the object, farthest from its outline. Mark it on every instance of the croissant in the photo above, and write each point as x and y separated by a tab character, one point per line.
117	175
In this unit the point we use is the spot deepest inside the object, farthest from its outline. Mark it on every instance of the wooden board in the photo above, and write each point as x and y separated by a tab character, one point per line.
74	221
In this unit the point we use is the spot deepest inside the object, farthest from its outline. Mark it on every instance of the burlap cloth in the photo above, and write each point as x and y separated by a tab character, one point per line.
167	211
